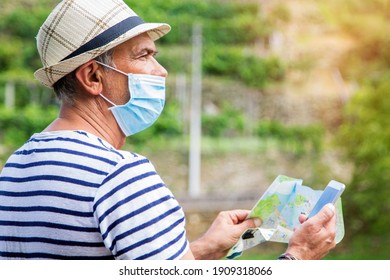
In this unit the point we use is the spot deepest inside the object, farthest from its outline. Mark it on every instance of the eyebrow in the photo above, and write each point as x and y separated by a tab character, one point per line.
146	50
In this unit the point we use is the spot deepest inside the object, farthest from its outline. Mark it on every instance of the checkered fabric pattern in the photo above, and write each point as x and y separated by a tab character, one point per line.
77	31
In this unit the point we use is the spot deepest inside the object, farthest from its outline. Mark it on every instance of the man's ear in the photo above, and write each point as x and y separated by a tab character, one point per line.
89	76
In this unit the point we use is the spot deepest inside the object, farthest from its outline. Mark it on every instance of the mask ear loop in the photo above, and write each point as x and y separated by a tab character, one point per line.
109	101
112	68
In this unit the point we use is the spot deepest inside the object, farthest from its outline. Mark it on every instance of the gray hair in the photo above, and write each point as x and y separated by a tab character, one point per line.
65	88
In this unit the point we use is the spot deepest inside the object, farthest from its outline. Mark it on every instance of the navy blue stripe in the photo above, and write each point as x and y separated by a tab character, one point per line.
66	151
47	193
129	198
149	239
142	226
49	178
125	168
178	253
48	225
107	36
111	149
152	253
52	241
66	139
52	256
56	163
123	185
46	209
81	132
134	213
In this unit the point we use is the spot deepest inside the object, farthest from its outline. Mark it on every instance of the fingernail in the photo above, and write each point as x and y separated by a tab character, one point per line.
257	222
331	207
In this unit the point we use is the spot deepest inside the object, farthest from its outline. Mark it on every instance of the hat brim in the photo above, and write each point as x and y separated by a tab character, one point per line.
48	76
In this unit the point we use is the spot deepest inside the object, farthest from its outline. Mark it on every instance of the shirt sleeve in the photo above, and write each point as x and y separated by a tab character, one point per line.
137	214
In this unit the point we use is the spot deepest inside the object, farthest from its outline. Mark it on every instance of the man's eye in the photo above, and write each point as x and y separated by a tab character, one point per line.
146	55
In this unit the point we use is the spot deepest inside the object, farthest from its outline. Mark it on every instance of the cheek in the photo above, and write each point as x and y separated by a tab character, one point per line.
125	95
118	91
121	94
143	66
144	69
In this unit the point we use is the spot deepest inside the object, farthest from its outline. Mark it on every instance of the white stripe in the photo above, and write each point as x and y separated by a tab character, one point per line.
86	207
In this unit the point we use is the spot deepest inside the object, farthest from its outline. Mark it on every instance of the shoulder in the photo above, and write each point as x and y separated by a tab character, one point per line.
80	142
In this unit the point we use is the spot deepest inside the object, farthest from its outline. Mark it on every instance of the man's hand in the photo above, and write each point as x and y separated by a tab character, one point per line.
316	237
223	234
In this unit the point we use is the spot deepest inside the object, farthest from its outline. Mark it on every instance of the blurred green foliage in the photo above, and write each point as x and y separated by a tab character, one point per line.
365	132
230	122
235	63
224	22
299	140
228	26
18	27
365	137
16	126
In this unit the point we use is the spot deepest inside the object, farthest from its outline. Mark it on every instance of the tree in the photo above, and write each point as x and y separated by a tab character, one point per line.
365	134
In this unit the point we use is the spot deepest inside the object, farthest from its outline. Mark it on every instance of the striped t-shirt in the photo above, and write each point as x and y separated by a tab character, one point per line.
71	195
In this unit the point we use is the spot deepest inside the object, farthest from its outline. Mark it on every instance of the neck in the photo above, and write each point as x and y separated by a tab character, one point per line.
92	116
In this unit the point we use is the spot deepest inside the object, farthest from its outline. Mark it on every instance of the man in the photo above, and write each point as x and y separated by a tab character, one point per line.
71	193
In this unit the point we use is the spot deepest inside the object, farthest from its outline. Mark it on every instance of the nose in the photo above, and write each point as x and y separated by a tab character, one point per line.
159	70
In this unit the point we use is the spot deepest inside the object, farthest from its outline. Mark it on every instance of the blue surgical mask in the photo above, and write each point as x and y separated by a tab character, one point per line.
147	98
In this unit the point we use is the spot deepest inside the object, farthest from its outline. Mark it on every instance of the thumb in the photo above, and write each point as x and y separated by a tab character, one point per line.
327	212
250	223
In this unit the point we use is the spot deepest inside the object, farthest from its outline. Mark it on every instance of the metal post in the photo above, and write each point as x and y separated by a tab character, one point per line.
10	94
181	97
195	119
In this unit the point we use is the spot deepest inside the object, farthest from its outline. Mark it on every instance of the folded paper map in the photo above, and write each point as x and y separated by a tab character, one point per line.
279	209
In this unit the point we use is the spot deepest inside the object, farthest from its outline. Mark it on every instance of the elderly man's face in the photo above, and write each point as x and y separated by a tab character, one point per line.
136	56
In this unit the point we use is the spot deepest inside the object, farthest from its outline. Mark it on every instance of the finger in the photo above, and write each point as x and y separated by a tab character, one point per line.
249	223
238	215
302	218
331	225
325	215
252	223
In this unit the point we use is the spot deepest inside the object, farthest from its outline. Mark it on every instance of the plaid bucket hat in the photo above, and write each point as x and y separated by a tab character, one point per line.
77	31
